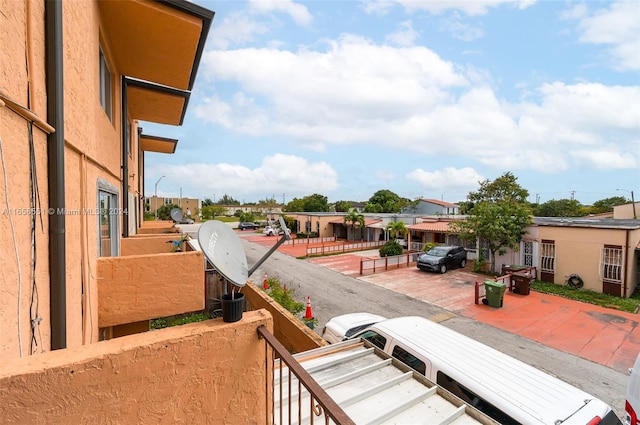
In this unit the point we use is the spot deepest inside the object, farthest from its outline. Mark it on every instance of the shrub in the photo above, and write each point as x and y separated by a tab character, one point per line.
284	297
427	247
390	248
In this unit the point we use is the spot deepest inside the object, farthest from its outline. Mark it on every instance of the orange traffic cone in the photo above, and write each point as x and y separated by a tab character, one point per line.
265	284
309	313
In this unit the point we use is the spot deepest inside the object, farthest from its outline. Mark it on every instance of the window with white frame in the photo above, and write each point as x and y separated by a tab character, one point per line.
548	257
612	263
105	87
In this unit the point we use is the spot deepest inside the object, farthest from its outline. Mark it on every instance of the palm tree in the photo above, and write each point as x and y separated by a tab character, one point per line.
396	228
354	217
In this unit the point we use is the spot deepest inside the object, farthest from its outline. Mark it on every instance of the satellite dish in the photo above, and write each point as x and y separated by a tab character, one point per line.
223	249
176	214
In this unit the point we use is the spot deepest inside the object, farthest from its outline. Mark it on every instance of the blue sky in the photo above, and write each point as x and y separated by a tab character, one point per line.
423	98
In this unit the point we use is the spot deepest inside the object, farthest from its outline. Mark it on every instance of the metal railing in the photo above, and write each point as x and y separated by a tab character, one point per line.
310	241
387	263
286	393
347	247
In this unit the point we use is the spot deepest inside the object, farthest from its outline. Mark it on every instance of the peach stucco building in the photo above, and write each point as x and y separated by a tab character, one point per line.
75	79
79	266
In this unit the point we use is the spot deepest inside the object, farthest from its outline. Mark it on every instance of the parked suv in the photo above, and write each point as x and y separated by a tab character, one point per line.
247	225
442	258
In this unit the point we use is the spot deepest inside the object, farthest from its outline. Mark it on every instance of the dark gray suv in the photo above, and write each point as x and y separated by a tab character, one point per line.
246	225
441	258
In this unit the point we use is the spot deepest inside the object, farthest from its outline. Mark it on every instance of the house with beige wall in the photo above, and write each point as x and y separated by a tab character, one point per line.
189	206
603	252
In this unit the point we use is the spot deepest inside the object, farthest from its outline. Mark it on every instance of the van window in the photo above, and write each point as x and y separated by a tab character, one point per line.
375	338
472	398
409	359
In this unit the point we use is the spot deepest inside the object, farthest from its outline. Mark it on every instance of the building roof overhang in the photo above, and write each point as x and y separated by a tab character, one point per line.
159	41
155	103
157	144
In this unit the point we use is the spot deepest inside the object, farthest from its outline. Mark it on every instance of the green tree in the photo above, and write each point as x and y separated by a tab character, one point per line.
607	204
354	217
396	228
412	206
210	212
164	212
311	203
227	200
560	208
247	217
268	203
207	202
385	201
316	203
499	215
343	206
295	205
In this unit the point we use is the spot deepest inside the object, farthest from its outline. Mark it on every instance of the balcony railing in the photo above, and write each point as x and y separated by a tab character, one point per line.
299	398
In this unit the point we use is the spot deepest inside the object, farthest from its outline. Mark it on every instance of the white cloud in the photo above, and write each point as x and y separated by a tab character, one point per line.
377	7
409	99
405	35
459	29
471	8
618	27
605	159
236	29
298	12
448	179
278	173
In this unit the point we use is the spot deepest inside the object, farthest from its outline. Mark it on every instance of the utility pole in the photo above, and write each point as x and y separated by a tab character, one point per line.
155	194
633	201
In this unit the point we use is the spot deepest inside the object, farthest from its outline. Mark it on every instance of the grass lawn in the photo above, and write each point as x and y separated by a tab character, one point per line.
609	301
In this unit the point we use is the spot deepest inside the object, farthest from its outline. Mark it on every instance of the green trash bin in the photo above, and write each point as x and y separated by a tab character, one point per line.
495	292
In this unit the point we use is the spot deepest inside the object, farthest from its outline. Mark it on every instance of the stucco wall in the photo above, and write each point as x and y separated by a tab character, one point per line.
289	330
207	372
155	244
142	287
21	27
578	250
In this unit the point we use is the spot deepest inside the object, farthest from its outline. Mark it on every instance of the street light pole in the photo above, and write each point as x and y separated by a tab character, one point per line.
633	202
155	195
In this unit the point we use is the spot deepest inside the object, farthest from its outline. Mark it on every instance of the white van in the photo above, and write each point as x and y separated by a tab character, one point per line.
632	406
506	389
345	326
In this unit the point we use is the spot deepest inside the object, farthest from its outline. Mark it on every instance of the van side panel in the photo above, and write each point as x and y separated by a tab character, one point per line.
521	391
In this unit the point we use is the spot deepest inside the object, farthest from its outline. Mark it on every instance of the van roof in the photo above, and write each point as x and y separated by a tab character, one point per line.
540	397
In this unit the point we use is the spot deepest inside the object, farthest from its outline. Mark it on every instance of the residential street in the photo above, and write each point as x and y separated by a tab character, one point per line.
333	293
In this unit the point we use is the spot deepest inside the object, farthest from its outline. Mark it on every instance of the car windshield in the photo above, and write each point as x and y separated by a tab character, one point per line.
437	252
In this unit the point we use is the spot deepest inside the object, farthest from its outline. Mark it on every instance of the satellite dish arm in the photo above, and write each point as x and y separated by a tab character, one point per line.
285	237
